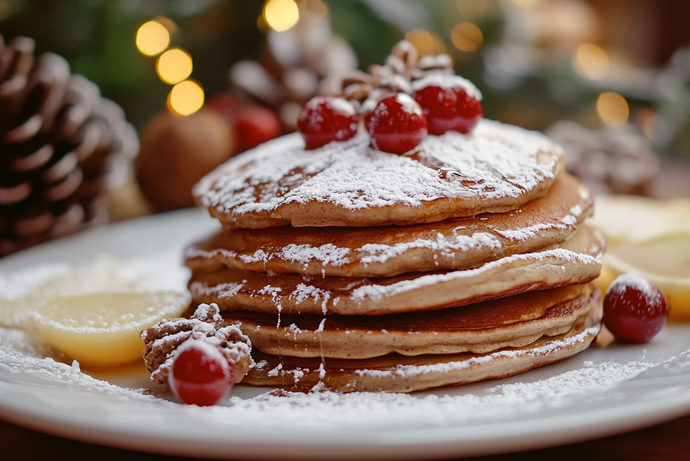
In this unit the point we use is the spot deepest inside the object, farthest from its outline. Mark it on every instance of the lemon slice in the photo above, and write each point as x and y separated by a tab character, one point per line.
103	329
664	261
627	218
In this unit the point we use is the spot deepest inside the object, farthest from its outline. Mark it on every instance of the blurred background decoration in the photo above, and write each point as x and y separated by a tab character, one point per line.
202	80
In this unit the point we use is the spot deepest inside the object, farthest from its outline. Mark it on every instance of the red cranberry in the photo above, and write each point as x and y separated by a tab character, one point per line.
397	124
200	374
634	309
449	102
325	119
255	125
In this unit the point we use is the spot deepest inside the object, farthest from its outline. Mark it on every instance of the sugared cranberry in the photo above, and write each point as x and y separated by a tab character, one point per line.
634	309
449	102
200	374
325	119
397	124
255	125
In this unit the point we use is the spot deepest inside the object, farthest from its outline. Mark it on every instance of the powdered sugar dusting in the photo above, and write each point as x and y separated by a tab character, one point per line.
495	403
23	292
625	281
25	358
380	291
448	81
408	371
494	161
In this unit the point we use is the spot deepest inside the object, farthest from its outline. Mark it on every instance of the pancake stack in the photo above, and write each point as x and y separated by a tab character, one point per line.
353	269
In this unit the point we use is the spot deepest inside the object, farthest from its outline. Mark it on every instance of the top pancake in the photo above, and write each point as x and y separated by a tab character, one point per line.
496	168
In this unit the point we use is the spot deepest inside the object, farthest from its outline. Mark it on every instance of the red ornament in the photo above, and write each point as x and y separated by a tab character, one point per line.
255	125
224	104
397	124
449	102
326	119
200	375
634	309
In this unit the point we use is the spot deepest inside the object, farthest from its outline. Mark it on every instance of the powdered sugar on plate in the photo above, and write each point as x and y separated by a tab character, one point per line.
27	366
598	392
21	353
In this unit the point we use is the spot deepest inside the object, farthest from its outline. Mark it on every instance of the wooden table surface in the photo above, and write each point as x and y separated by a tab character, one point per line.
669	441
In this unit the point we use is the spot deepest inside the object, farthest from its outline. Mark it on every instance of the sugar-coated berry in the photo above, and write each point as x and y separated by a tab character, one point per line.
200	374
450	103
326	119
634	309
397	124
255	125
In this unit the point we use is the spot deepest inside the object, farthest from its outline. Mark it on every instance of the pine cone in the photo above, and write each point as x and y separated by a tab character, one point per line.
615	160
163	339
401	69
58	138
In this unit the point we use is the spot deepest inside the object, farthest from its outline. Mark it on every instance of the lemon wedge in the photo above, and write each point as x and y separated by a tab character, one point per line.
103	329
626	218
650	238
664	261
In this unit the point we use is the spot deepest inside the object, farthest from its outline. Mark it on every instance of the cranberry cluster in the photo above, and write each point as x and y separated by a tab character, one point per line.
398	122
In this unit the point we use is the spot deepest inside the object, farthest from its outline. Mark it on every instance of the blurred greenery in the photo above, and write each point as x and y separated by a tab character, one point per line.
97	39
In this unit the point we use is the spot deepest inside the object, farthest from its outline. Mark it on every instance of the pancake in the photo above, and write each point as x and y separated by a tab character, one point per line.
494	169
576	261
399	373
484	327
387	251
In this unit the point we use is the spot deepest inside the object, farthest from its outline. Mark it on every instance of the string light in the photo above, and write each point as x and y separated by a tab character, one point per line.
467	37
281	15
591	61
186	97
613	109
152	38
174	65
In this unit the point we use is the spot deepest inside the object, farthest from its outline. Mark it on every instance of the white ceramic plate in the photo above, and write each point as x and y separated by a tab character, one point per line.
597	393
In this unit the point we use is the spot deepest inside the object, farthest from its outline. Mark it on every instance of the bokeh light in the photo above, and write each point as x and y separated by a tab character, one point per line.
186	97
472	9
526	3
427	43
281	15
152	38
591	61
467	37
646	120
613	109
174	65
